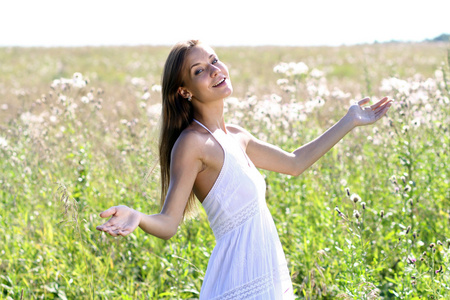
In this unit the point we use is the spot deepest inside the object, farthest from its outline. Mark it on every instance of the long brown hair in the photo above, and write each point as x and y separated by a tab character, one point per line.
177	114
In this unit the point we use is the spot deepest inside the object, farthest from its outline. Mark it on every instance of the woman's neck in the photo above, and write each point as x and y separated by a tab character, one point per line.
210	115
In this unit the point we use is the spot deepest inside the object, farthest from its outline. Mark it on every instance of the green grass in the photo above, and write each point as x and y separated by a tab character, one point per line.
58	172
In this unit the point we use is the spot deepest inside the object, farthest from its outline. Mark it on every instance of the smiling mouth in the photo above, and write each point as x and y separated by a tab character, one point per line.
219	83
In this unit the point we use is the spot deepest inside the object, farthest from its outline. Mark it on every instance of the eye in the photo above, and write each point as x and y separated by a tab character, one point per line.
215	60
198	71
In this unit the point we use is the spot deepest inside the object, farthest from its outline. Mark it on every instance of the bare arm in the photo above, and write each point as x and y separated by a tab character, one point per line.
272	158
185	165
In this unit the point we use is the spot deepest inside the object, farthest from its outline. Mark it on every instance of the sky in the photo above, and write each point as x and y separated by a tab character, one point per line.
52	23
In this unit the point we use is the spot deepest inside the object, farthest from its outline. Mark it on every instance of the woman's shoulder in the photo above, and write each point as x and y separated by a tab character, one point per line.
191	136
235	129
238	130
192	140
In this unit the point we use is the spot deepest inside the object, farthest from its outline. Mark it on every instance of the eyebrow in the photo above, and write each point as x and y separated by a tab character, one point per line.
212	55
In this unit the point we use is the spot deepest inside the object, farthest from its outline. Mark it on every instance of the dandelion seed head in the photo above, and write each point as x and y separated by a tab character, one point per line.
355	198
415	123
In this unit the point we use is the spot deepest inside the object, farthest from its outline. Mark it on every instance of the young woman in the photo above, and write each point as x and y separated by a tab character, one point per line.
202	156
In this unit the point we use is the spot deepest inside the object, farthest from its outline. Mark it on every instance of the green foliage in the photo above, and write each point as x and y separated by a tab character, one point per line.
71	150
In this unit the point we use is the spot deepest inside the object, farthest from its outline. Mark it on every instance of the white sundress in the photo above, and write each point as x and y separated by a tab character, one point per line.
248	261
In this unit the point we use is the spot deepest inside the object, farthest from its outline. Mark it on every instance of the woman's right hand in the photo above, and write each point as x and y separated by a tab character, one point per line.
123	221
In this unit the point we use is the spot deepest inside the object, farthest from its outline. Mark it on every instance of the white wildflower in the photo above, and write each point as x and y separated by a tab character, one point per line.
85	99
395	84
415	123
276	98
291	68
146	96
430	84
78	81
338	94
90	96
62	98
137	81
4	106
156	88
439	75
154	111
53	118
282	82
315	73
299	68
29	118
232	101
289	88
3	143
281	68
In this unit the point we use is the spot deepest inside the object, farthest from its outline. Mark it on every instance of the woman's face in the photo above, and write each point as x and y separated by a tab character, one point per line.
206	78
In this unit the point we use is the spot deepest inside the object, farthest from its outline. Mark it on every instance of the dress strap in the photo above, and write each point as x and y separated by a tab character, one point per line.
202	126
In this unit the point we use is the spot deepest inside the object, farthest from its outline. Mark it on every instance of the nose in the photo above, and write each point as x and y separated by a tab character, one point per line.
214	70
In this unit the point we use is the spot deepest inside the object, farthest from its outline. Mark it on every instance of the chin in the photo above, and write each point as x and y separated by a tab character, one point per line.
229	93
229	90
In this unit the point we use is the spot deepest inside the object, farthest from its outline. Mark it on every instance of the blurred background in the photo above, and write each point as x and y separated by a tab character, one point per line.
222	23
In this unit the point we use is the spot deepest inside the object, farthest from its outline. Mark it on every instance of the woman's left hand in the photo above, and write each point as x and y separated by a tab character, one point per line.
364	115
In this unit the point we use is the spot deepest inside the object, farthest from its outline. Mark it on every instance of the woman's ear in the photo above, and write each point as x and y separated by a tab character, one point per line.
183	92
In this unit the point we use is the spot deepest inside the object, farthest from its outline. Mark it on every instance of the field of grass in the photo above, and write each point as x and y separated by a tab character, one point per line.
79	132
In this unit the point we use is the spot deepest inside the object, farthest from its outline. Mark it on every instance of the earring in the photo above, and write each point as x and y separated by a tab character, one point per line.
189	98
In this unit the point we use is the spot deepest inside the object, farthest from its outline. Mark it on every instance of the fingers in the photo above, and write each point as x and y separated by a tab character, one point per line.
106	227
109	212
363	101
380	103
381	112
114	229
383	101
